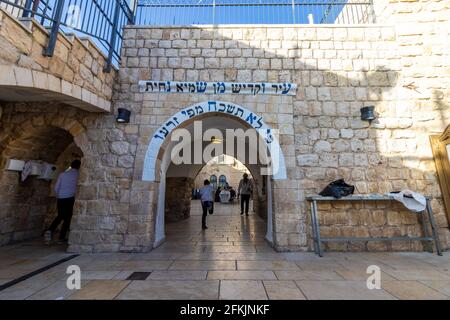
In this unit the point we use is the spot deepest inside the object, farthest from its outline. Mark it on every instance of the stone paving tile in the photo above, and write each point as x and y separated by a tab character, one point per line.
3	281
123	275
203	265
360	275
241	275
412	290
99	275
147	265
266	265
417	274
318	265
171	290
283	290
439	285
242	290
232	255
56	291
341	290
17	292
307	275
214	243
156	256
100	290
178	275
230	249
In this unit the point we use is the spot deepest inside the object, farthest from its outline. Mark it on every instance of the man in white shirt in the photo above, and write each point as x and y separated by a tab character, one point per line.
65	189
206	196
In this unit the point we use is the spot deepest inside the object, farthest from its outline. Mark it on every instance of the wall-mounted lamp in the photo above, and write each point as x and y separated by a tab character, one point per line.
215	140
123	116
368	113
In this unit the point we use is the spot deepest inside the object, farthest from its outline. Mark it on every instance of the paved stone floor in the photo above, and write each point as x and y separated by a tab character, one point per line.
230	260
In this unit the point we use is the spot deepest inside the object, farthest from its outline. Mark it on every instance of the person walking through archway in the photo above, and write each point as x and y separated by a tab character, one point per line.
245	191
207	199
65	189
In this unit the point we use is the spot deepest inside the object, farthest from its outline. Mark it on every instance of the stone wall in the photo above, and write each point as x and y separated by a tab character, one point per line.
178	199
27	207
74	74
338	70
403	72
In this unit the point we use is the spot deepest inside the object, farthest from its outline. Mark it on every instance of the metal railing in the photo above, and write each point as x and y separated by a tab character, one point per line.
102	20
187	12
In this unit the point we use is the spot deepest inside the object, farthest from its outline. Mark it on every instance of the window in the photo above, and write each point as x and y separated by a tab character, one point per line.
213	180
222	181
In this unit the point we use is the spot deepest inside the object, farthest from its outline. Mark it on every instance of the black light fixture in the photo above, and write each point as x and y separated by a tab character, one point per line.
368	113
215	140
123	116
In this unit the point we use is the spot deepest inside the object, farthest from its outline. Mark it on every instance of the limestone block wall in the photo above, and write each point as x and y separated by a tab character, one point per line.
26	207
403	72
73	75
178	198
338	71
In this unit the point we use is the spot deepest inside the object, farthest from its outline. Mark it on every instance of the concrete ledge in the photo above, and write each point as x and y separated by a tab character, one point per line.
21	84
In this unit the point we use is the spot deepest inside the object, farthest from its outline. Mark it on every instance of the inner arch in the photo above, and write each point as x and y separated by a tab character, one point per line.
159	142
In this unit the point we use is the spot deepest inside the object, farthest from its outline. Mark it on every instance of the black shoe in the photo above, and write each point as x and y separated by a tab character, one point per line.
204	227
247	214
242	213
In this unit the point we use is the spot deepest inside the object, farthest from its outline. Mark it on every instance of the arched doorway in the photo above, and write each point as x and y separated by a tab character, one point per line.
220	116
29	205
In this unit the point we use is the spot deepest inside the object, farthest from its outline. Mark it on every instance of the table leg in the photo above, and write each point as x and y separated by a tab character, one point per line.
434	229
426	234
314	233
317	228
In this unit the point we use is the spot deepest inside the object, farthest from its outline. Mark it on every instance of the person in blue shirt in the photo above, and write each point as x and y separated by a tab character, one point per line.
65	189
207	199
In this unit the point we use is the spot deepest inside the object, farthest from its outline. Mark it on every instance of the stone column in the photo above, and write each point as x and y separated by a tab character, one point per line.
178	198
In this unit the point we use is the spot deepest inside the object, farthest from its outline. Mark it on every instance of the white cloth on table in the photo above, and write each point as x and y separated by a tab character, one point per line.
412	200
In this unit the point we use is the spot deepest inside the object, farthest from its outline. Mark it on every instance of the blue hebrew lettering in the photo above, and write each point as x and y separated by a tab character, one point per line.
212	103
251	117
199	110
222	105
236	88
239	112
230	108
221	87
164	131
286	88
201	87
191	113
269	137
148	85
259	123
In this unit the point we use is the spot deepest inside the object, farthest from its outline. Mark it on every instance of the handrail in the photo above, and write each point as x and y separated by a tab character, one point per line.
102	20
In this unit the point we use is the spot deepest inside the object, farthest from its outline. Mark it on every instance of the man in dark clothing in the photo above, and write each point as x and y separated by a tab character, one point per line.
245	191
65	189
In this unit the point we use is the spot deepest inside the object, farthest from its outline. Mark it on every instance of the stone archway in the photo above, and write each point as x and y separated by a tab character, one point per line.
29	205
219	107
157	159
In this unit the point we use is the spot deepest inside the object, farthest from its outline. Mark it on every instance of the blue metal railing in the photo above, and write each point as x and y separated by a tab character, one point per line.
187	12
102	20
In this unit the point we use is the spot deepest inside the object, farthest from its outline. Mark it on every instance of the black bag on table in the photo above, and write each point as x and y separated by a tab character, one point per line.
338	189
